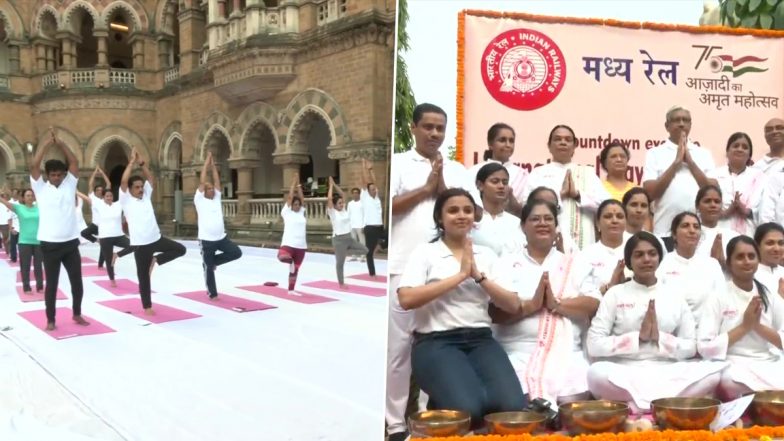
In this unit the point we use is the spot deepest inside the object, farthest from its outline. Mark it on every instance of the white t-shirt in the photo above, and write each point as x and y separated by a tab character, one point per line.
94	200
5	214
80	222
341	221
679	195
371	208
210	214
294	228
769	165
501	233
464	306
751	184
111	219
410	171
771	208
355	213
142	225
56	208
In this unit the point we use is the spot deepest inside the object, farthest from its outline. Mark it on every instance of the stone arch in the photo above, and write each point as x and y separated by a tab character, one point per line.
256	113
163	11
67	17
171	132
39	16
11	150
319	101
97	144
299	127
135	13
66	137
216	121
14	27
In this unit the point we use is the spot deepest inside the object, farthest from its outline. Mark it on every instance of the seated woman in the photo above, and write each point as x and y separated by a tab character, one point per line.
498	229
744	325
694	277
599	266
449	283
639	217
642	334
563	242
543	337
713	236
770	240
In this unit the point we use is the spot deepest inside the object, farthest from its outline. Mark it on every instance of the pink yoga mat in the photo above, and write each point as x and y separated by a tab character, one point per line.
224	301
163	313
12	264
36	296
88	260
353	289
282	293
66	328
124	287
93	271
367	278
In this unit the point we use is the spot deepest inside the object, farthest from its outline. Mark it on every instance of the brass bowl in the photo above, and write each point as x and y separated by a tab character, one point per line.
439	423
513	423
685	413
767	408
587	417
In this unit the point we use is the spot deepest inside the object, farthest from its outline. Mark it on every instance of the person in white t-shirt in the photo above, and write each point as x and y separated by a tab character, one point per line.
372	214
294	243
136	201
96	195
773	162
341	230
212	231
57	231
354	208
498	229
674	171
110	233
5	215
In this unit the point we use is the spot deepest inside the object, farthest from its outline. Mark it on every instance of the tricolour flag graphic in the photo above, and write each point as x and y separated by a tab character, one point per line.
738	66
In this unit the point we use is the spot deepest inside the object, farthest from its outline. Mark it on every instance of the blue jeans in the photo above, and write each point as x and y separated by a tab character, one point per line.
466	369
229	251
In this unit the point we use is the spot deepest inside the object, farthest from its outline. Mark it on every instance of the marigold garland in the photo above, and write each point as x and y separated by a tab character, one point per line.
752	433
763	33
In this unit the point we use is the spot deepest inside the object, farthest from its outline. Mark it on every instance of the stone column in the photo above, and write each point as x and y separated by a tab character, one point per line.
221	9
164	52
193	34
50	65
290	162
41	57
138	51
237	6
167	178
244	190
14	59
190	182
102	35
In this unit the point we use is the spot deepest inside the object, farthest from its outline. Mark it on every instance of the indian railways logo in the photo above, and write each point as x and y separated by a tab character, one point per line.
523	69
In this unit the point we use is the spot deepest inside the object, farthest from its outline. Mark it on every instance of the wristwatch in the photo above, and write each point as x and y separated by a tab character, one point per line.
480	279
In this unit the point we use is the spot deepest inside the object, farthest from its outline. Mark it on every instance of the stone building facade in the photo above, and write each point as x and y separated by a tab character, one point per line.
271	87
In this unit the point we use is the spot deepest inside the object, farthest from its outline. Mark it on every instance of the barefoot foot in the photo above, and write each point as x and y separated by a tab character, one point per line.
114	284
149	311
50	327
80	320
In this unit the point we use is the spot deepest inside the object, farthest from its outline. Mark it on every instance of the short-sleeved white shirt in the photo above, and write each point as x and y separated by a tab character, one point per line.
341	221
294	228
371	208
96	215
410	171
355	213
57	209
210	214
502	233
142	225
464	306
5	214
679	195
111	219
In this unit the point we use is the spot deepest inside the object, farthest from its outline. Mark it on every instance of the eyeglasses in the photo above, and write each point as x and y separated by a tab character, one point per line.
547	220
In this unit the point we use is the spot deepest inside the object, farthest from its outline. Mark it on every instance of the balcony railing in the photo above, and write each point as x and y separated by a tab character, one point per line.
330	10
3	82
83	78
122	78
229	208
49	81
172	74
267	210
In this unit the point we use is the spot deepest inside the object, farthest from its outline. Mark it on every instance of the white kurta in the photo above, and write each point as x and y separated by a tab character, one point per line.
614	338
750	184
693	280
517	179
770	277
771	208
769	165
576	218
708	235
754	362
594	267
501	233
545	349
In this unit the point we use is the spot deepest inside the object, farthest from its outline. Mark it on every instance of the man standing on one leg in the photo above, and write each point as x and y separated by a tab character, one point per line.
57	226
212	232
95	196
136	201
354	208
372	214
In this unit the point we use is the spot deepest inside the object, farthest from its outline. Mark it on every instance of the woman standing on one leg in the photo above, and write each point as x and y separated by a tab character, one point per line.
212	232
29	246
96	195
373	214
341	230
136	201
110	232
294	242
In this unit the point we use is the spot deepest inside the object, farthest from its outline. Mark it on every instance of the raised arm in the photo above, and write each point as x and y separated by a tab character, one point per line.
146	170
128	169
35	166
8	205
216	182
294	190
91	182
106	182
330	205
369	170
73	162
203	176
84	197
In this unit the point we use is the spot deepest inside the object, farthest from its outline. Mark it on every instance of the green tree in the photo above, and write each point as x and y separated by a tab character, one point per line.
756	14
404	96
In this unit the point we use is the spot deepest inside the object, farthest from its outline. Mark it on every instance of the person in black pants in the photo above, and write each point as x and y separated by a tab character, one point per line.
110	232
57	229
372	212
91	231
149	246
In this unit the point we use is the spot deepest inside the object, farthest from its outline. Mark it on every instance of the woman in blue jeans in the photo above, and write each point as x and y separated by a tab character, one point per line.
449	283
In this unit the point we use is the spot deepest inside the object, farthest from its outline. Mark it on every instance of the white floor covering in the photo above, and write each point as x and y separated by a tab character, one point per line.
297	372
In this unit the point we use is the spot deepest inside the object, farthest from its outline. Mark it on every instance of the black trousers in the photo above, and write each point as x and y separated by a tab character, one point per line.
164	250
28	253
107	251
67	255
13	242
373	235
90	233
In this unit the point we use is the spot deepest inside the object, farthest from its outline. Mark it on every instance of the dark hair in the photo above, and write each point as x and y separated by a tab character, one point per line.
107	190
631	244
528	208
627	197
423	108
55	165
606	203
763	230
733	243
736	136
97	187
25	190
336	198
534	195
355	189
369	184
703	191
296	199
677	221
560	126
133	179
606	151
492	132
488	169
439	205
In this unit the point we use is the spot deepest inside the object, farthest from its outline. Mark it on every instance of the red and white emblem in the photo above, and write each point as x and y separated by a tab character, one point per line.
523	69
